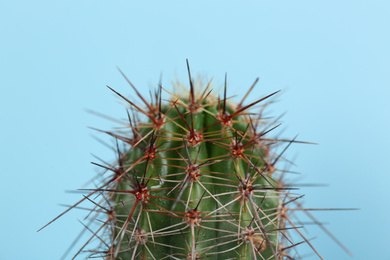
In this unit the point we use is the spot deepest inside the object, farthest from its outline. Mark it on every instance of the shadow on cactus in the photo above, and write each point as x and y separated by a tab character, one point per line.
198	180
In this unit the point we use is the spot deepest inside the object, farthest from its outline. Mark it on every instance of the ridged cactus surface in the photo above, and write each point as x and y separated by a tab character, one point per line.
197	182
197	179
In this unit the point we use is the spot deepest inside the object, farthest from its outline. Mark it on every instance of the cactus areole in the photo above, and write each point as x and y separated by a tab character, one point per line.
198	179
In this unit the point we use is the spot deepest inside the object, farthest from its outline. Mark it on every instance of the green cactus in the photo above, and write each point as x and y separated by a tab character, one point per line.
198	181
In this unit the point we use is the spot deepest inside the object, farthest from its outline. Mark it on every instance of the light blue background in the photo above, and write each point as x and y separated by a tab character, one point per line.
330	58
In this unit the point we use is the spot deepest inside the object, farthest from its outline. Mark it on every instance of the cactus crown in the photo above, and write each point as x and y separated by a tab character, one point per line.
198	180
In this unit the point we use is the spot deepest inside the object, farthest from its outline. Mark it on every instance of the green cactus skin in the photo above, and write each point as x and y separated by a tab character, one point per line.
198	181
196	184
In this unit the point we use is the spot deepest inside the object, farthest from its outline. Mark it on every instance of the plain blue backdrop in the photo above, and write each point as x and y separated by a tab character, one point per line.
329	58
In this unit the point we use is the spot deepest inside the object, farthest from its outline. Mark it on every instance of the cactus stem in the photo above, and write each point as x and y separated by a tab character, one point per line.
198	179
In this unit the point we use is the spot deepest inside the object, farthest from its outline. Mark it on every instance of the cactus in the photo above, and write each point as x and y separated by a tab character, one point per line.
198	180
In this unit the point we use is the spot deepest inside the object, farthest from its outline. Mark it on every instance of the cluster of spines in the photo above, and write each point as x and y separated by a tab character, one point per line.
198	181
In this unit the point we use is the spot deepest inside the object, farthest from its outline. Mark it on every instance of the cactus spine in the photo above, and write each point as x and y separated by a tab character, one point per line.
197	181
